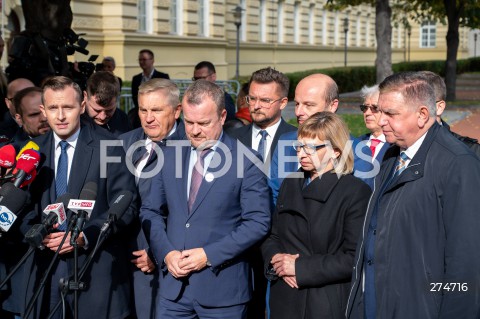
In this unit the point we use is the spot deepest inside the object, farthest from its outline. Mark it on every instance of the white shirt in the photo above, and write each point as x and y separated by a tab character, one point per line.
412	150
256	136
72	141
382	140
143	161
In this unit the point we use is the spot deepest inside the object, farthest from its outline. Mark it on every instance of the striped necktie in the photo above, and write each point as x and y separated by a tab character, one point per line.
401	164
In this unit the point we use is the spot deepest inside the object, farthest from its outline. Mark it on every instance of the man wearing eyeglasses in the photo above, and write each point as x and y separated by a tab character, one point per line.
373	144
205	70
146	60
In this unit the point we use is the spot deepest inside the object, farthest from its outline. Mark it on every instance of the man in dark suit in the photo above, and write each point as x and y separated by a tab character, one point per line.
371	146
267	97
206	70
207	206
71	157
159	111
146	60
101	103
9	125
417	256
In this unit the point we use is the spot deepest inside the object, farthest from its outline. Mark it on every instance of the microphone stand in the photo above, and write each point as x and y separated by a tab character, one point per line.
101	239
17	266
32	301
75	285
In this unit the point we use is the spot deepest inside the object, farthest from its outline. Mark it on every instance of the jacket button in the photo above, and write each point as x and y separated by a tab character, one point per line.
370	262
187	225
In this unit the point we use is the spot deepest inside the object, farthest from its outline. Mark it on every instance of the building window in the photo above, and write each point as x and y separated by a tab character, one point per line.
324	28
280	22
296	22
243	28
145	9
203	14
311	24
263	20
428	34
176	17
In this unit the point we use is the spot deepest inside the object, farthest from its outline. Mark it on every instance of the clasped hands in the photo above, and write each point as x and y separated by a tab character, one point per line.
52	241
284	267
182	263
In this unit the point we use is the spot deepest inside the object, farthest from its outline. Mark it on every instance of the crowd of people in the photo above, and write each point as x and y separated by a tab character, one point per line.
234	213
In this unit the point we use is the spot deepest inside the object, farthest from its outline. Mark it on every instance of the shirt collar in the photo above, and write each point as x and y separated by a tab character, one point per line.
412	150
271	130
72	140
381	138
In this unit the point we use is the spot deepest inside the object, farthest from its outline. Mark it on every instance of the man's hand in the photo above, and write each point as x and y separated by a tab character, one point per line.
193	260
143	262
172	260
52	241
291	281
284	264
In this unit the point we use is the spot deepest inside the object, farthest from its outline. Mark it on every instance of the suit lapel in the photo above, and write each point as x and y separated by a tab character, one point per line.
82	159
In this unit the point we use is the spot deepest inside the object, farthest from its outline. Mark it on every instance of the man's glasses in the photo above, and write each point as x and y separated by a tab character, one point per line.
372	108
308	148
195	78
265	102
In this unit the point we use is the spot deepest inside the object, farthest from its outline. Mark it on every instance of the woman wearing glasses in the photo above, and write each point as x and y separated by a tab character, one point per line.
319	214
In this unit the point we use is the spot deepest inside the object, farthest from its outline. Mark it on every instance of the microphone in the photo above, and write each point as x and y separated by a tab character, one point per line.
83	208
12	200
31	145
117	209
26	164
7	158
55	214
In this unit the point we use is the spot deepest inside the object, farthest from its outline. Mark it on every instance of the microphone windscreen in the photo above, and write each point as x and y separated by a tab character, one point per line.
29	179
120	205
89	191
7	156
13	198
28	161
31	145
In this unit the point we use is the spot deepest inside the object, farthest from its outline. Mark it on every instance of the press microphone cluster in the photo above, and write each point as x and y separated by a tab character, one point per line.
83	208
12	200
27	160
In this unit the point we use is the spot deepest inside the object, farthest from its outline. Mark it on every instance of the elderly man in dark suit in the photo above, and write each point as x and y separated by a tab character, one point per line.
159	111
417	256
72	156
207	206
146	60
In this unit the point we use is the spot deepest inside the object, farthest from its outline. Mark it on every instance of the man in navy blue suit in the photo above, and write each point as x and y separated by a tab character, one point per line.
208	205
72	157
372	145
159	112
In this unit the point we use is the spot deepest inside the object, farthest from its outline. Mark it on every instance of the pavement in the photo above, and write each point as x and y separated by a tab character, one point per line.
463	115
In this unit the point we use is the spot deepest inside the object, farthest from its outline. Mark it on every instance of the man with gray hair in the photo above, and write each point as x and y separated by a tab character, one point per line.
206	208
417	257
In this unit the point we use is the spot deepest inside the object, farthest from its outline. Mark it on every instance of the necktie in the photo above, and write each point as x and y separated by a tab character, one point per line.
197	177
61	178
373	145
143	160
62	170
401	164
262	145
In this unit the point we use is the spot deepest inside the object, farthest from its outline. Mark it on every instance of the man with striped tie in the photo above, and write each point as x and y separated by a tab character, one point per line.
417	257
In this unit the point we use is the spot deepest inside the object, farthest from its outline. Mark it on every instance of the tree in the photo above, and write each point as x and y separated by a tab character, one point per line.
459	13
383	31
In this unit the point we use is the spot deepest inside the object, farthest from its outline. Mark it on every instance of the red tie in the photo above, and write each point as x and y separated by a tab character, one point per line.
373	145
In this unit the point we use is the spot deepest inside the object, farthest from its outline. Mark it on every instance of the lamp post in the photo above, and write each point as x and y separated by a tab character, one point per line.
345	29
237	15
475	45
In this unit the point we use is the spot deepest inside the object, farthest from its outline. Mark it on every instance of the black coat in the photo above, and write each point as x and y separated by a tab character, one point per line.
322	223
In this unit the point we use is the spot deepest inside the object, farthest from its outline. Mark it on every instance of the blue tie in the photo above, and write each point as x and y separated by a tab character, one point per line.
401	164
262	145
62	171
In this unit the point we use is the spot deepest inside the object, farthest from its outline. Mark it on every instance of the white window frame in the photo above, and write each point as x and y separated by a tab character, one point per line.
428	35
176	12
311	24
263	20
324	28
297	16
280	12
203	18
145	19
243	28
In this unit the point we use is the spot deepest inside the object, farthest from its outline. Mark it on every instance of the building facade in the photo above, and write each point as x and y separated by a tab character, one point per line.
289	35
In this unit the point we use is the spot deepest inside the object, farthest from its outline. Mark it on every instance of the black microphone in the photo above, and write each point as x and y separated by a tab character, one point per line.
56	213
83	207
12	200
117	209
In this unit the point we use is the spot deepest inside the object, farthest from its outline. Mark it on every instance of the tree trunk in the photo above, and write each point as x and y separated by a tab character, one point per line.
383	32
453	16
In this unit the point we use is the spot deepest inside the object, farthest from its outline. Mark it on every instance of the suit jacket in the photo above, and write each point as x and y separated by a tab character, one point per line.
230	214
427	231
108	292
117	125
145	286
368	169
244	135
322	223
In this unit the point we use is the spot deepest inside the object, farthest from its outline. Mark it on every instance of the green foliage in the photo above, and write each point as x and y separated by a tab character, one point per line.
351	79
355	123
